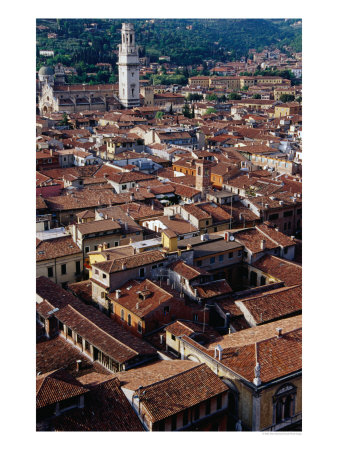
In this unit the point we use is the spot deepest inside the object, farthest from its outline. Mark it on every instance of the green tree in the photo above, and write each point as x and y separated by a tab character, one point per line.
64	121
159	115
186	110
257	96
286	98
234	96
212	97
299	99
210	111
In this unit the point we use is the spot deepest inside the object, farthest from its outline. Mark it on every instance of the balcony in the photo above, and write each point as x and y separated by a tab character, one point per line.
286	423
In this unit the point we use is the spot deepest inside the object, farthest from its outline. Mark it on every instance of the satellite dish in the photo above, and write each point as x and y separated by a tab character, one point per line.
232	238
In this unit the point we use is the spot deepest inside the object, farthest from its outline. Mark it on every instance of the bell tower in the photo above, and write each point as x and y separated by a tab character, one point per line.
202	178
129	69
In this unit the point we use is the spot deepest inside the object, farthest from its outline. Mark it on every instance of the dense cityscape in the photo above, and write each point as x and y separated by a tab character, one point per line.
168	225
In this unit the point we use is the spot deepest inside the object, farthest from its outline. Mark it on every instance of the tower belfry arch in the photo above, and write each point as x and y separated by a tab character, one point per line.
129	68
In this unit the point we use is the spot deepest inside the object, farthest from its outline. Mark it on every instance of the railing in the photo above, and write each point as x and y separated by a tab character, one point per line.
285	423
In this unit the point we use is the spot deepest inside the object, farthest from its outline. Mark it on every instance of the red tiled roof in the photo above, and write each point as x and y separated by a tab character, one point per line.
168	397
56	248
274	304
281	269
106	409
53	387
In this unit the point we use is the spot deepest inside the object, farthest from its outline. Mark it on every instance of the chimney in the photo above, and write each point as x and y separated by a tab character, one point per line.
263	244
161	338
189	247
51	152
218	349
294	199
281	202
100	247
279	332
124	266
277	229
104	246
132	197
78	365
118	293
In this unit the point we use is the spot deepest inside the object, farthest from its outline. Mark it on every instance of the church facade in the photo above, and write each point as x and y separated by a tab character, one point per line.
54	95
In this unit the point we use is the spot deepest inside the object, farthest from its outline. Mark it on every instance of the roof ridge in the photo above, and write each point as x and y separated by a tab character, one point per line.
102	330
175	375
277	337
267	293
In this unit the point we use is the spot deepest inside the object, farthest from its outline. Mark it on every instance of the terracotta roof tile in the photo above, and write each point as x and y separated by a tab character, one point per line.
53	387
170	396
281	269
56	248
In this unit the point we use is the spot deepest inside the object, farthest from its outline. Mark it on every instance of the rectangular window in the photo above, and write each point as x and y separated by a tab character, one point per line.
221	257
273	216
219	401
173	337
207	407
87	249
166	310
230	255
60	326
78	339
161	425
196	412
299	211
141	272
195	317
63	269
212	260
50	272
116	244
124	187
95	248
173	423
185	417
69	332
199	263
87	346
288	213
104	275
139	327
78	267
102	294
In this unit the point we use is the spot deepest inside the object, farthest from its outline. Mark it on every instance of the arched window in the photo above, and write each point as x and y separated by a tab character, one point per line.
129	319
253	278
122	314
284	402
139	327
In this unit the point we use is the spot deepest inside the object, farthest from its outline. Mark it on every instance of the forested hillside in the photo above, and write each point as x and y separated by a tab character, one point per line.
85	42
